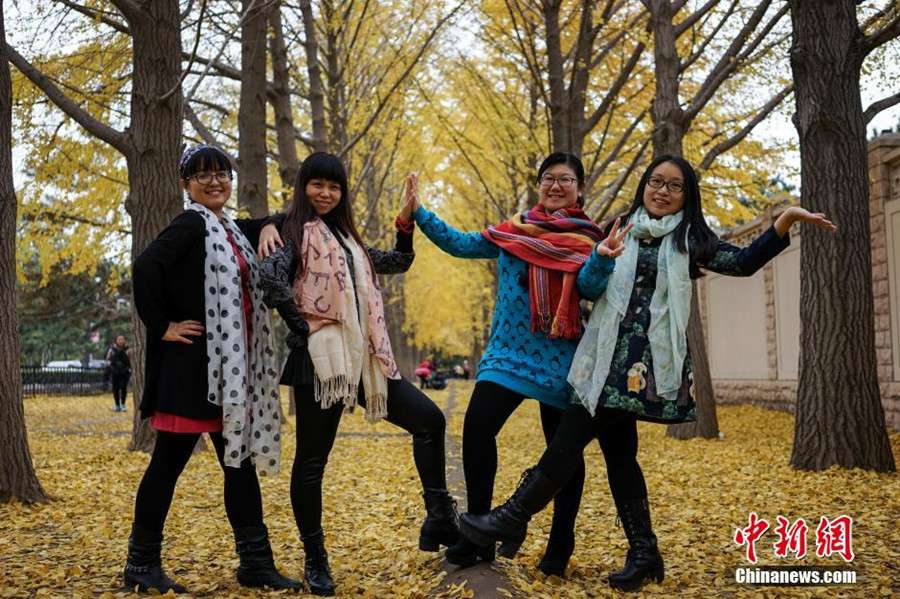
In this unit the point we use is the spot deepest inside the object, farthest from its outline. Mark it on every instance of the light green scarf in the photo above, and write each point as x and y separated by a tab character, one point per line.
670	308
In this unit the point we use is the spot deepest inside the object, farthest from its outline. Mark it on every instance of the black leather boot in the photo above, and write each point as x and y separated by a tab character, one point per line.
556	557
257	567
509	522
643	560
441	525
315	568
143	568
466	553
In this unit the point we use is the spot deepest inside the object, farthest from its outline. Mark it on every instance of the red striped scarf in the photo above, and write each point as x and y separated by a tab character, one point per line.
555	246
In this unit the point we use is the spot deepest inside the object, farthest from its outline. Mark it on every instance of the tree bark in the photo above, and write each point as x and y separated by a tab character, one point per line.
154	197
17	477
667	137
288	162
707	423
839	415
314	71
668	127
253	191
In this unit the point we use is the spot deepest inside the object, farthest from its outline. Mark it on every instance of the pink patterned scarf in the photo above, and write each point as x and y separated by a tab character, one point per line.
347	344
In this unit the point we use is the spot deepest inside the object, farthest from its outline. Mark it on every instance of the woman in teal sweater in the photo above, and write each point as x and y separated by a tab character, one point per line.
545	263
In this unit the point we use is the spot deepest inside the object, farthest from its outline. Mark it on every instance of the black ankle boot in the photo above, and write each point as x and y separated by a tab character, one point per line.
315	569
441	525
643	560
143	568
466	553
556	557
257	567
509	522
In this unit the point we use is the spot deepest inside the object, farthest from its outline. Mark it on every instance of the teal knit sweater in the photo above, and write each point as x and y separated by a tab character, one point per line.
528	363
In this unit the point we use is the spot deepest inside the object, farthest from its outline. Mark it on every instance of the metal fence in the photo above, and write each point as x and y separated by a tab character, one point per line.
38	380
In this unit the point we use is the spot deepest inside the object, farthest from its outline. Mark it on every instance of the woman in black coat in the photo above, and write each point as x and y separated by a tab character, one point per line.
209	369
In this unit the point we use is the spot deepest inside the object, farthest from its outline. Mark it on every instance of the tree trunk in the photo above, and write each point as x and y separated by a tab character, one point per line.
668	128
707	423
17	477
288	163
154	197
667	137
839	416
314	71
252	176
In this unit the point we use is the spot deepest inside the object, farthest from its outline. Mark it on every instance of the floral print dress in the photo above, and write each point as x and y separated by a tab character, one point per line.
630	385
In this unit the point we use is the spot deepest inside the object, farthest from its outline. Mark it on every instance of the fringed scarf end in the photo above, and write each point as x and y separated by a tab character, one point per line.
334	390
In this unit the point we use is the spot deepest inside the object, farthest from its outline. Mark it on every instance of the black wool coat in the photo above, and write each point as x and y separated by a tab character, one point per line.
168	281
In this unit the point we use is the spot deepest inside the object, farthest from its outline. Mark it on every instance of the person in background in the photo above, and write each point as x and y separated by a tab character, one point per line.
118	364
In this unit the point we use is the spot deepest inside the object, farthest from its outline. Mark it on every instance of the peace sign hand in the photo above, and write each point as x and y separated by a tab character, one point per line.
411	197
614	244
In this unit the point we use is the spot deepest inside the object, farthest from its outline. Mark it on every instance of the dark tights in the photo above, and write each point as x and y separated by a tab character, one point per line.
243	501
119	388
617	432
489	408
407	408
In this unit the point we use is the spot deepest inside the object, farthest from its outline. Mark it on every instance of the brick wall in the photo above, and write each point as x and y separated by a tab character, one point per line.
884	181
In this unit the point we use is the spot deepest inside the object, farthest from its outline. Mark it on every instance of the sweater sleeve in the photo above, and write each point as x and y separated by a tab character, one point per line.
455	243
593	277
153	265
736	262
251	227
396	261
275	279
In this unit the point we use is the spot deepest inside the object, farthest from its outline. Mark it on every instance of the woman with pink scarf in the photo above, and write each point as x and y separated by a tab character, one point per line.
322	282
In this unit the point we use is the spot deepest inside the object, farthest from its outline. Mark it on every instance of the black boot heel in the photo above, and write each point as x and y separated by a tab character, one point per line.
508	523
509	549
143	568
643	561
441	525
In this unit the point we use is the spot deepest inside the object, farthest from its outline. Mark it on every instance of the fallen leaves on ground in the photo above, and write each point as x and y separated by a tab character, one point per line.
700	492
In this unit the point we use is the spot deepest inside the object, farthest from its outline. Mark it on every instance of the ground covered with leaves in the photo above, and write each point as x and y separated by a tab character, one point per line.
700	493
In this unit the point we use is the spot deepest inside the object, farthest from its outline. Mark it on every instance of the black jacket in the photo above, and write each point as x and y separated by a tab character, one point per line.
168	287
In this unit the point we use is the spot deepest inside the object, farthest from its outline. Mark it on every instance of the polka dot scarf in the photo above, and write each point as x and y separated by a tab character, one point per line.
242	380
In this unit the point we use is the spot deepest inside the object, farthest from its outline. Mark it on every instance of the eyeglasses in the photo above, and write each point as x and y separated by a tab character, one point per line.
564	182
206	178
659	183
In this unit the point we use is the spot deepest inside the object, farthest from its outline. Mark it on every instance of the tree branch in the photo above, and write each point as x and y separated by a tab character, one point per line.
616	87
740	135
390	93
882	104
694	17
881	36
128	8
205	134
96	15
101	131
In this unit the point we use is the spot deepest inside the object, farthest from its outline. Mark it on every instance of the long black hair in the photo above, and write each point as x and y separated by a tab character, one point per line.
704	240
570	160
319	165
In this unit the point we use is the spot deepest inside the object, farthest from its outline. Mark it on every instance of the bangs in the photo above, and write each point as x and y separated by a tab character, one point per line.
326	167
207	159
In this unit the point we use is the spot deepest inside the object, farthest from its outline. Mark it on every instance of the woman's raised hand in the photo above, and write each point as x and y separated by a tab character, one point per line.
411	199
814	218
796	214
269	241
180	331
614	244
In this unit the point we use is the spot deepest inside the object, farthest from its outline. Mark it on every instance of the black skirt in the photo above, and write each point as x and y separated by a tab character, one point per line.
298	369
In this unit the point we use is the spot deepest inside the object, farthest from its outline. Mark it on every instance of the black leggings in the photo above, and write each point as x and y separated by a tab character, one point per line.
489	408
407	407
617	432
119	388
243	501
